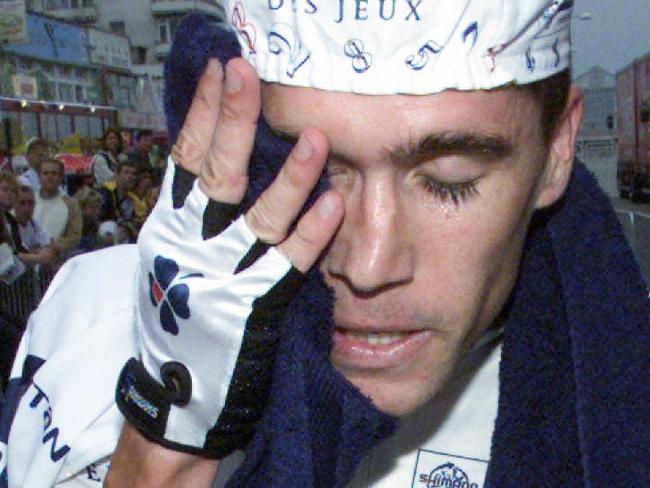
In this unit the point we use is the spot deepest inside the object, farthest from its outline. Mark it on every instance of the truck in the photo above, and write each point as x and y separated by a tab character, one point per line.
633	122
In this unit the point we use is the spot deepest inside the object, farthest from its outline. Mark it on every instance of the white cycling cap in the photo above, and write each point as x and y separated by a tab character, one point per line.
403	46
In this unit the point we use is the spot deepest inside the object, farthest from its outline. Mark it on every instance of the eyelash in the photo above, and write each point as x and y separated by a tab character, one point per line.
449	192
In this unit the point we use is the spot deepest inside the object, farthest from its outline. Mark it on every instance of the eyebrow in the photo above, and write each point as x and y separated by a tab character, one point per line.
487	147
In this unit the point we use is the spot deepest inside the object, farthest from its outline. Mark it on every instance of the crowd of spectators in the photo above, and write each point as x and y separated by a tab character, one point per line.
48	215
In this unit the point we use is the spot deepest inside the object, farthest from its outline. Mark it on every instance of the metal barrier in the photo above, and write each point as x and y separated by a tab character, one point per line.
636	226
18	300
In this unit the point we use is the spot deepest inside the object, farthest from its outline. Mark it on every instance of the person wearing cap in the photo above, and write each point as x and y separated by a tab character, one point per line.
452	304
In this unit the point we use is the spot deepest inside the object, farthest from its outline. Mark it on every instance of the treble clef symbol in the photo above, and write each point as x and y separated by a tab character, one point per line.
246	29
361	60
421	59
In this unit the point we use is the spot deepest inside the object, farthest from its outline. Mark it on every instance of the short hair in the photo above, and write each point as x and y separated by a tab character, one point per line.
143	133
25	189
91	197
551	94
122	164
118	133
53	161
34	143
10	178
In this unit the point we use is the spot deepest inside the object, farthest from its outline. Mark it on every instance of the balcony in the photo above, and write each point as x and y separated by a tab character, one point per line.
174	7
162	49
82	15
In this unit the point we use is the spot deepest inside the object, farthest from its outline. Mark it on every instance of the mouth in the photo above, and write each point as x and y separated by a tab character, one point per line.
359	349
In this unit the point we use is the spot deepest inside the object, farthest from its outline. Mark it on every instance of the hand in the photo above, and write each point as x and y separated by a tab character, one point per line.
190	234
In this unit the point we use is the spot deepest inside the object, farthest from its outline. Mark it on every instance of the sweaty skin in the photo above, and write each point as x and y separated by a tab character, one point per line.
438	192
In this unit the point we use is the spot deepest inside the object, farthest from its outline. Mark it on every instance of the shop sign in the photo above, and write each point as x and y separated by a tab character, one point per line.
13	26
109	49
25	86
52	40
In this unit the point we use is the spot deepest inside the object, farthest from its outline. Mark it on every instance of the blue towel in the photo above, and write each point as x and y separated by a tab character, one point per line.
574	402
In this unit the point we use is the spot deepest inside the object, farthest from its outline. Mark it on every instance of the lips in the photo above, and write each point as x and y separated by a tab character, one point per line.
365	348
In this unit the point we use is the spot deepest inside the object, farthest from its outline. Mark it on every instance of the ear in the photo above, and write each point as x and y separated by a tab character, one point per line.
559	163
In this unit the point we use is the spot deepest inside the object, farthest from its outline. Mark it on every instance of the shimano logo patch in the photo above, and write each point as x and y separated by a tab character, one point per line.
443	470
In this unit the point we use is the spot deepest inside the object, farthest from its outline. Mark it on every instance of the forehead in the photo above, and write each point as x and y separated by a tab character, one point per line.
49	166
392	120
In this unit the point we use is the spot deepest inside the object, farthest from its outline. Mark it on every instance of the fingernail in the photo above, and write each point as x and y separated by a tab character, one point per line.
327	205
214	67
303	149
234	82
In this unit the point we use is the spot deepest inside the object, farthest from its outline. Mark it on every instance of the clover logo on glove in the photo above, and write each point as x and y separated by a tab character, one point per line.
171	299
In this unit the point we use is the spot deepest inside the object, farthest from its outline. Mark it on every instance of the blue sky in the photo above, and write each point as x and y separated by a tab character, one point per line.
618	32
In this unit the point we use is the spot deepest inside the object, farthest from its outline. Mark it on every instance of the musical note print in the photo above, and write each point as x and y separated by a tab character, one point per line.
361	60
556	51
531	63
245	29
556	7
422	58
283	39
472	30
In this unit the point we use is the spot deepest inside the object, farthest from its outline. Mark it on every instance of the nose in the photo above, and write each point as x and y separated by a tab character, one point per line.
372	250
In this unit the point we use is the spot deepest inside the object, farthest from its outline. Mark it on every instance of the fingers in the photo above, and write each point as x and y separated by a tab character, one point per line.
194	140
224	175
314	231
276	209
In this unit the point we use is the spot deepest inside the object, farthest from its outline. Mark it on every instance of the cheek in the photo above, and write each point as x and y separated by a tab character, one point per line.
469	254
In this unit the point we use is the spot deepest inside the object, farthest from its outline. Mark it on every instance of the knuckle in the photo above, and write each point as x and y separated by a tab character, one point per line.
187	151
263	224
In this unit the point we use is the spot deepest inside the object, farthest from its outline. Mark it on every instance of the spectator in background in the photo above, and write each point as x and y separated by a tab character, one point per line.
9	235
32	232
141	153
60	215
9	228
139	194
91	207
36	152
117	198
105	162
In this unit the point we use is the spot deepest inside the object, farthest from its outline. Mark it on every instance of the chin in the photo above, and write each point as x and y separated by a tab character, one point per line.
396	397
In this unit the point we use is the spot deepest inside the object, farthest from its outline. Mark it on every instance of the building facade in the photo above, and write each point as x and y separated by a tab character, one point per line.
597	139
88	64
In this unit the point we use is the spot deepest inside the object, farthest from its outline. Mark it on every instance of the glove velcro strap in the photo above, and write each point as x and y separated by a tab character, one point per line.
143	401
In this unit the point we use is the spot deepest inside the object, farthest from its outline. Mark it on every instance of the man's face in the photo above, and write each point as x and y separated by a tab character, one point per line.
127	178
51	177
145	143
36	156
438	191
24	206
7	195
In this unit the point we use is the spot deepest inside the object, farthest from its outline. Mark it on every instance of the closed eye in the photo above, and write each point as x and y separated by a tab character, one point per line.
455	193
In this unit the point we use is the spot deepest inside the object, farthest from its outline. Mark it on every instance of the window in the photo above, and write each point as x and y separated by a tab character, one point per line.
118	27
79	93
163	36
96	127
81	125
139	55
65	92
48	127
64	126
29	125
